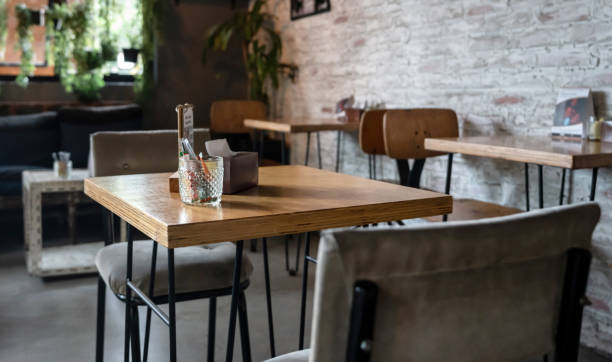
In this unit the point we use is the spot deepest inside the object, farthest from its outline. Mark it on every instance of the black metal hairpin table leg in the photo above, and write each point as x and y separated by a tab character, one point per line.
593	183
338	149
541	186
304	287
526	186
293	271
307	148
128	295
283	156
145	352
171	305
562	190
261	147
234	303
319	149
449	173
264	244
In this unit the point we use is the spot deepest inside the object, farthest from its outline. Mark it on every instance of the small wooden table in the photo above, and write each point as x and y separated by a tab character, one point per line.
288	200
57	260
302	126
540	150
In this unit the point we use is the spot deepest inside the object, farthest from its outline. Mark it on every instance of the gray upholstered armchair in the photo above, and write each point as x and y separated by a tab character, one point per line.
501	289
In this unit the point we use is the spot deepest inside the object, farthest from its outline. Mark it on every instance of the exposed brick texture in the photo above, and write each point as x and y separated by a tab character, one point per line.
499	64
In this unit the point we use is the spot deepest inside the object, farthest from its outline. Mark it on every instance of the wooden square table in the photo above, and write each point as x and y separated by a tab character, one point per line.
540	150
302	126
288	200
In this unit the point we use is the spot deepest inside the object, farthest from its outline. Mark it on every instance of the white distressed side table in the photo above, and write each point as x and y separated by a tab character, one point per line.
57	260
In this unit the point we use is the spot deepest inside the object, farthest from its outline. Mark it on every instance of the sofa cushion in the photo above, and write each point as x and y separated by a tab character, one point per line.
77	123
10	178
29	139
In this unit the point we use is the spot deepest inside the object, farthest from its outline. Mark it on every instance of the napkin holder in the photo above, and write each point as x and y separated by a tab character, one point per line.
240	169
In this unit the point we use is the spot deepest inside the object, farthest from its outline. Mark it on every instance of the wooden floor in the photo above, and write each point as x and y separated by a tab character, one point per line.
467	209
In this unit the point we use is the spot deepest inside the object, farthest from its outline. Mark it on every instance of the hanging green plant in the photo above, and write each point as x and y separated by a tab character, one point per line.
261	48
3	28
24	44
108	49
152	15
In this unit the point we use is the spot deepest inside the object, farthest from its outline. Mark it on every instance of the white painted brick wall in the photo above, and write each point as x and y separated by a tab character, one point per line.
499	64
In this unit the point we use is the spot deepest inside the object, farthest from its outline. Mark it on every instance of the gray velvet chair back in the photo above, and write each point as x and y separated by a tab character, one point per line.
485	290
134	152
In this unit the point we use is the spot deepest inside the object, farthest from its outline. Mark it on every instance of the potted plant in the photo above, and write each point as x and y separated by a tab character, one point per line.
134	38
130	55
261	48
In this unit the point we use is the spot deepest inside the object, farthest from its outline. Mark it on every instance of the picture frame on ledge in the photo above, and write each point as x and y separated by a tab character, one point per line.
304	8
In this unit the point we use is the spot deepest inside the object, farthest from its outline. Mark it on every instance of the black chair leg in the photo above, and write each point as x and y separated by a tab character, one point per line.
244	328
108	239
403	168
212	320
415	174
253	245
100	320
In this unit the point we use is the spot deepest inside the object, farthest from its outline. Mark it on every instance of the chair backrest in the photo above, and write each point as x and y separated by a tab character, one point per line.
371	138
134	152
405	130
484	290
228	117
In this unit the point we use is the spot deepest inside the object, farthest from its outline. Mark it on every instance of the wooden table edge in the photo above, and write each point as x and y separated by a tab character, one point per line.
266	125
124	210
181	235
507	153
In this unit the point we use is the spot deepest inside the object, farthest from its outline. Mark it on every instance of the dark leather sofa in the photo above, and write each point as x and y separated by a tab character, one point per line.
27	141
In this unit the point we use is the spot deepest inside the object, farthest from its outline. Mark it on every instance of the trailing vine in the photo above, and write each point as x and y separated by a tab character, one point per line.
24	44
78	48
153	12
3	28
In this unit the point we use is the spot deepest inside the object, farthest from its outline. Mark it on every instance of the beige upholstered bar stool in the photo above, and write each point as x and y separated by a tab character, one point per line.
404	132
502	289
201	271
371	137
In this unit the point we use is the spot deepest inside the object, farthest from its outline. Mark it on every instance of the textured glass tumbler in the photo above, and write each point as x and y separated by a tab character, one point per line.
201	182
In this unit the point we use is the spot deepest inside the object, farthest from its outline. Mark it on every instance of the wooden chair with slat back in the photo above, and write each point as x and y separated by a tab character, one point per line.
404	133
371	138
227	121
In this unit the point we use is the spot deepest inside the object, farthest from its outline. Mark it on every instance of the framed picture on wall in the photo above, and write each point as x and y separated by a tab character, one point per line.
303	8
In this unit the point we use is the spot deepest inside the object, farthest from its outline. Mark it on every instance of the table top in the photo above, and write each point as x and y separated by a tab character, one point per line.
301	125
542	150
47	177
288	200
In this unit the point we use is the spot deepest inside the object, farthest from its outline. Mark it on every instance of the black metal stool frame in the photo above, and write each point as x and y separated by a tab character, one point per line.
238	305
